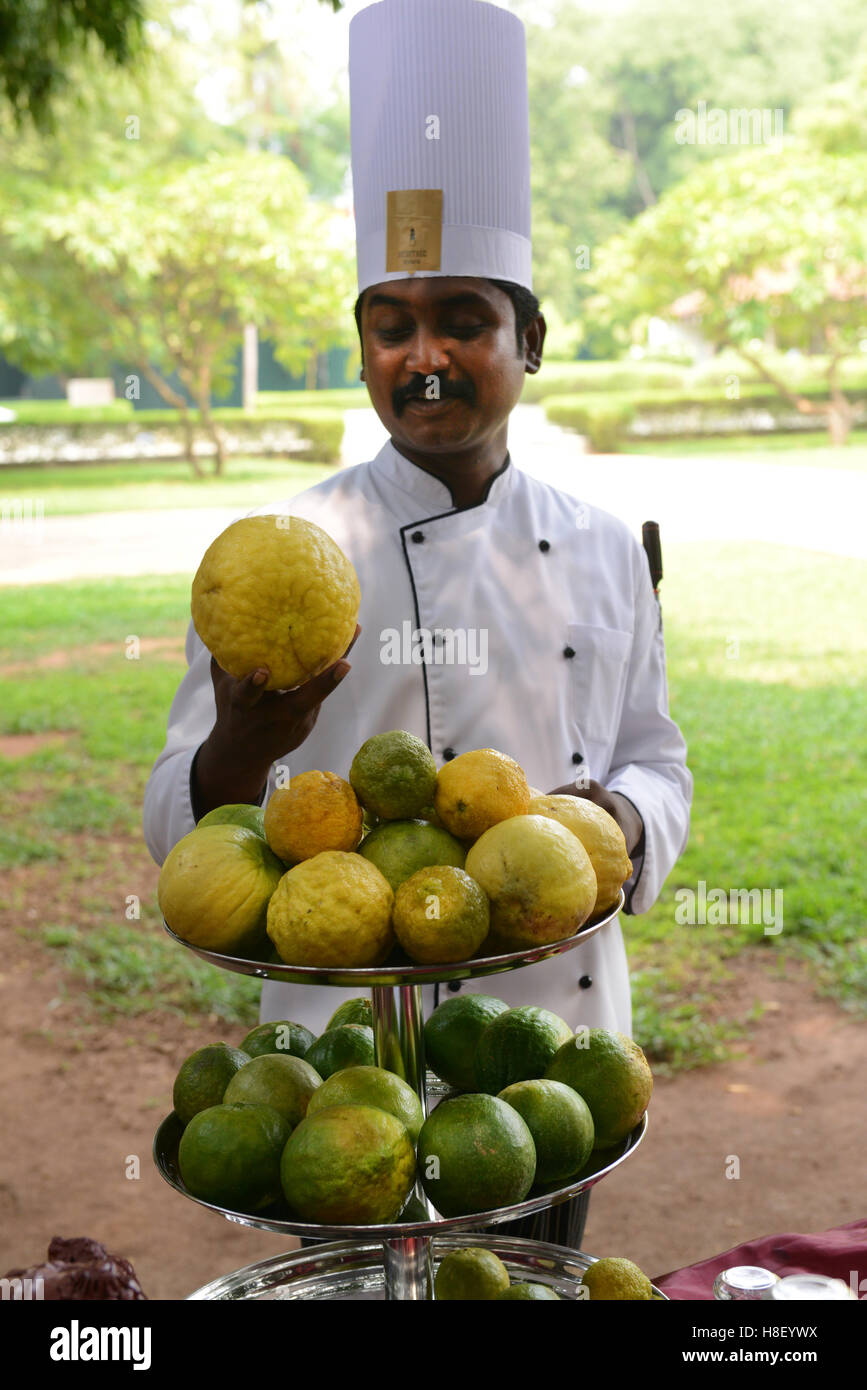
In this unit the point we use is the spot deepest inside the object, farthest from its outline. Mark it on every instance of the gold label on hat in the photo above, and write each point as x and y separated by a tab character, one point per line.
414	223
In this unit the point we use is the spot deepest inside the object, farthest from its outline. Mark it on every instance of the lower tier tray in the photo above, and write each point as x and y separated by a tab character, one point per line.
165	1151
353	1270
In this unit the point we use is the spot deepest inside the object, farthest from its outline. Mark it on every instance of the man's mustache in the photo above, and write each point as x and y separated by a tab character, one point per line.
417	390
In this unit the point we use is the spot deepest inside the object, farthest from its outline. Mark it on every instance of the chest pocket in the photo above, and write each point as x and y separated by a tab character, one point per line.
599	669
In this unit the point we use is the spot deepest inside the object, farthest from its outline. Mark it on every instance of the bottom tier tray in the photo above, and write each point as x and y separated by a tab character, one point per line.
352	1270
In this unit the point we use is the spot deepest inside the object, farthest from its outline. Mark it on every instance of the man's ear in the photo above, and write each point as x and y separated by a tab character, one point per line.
534	339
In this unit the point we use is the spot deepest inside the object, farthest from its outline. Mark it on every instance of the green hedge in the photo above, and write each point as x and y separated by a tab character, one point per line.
605	418
640	378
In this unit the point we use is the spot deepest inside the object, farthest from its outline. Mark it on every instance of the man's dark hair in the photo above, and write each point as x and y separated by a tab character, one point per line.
524	302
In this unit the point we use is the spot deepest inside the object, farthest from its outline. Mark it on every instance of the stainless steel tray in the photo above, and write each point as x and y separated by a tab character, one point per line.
168	1137
353	1270
398	972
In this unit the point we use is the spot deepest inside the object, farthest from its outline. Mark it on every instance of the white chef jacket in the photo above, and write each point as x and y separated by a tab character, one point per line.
575	681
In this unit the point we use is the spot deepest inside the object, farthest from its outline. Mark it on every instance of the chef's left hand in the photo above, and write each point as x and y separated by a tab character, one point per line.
616	805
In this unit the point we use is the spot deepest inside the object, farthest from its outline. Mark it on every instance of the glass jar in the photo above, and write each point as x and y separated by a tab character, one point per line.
810	1286
744	1282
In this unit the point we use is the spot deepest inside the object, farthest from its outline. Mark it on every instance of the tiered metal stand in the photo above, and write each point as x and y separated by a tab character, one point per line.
396	1261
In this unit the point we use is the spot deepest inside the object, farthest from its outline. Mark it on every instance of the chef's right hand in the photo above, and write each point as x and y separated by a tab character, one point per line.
254	727
272	722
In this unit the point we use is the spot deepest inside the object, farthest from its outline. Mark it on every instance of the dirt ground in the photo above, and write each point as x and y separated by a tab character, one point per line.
789	1113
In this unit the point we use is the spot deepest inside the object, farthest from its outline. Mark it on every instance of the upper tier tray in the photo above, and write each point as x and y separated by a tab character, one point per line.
399	971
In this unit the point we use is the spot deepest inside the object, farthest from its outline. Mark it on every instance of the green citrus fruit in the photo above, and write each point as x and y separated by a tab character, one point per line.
475	1153
440	915
285	1082
611	1072
204	1076
230	1155
352	1011
473	1273
518	1046
399	847
560	1123
616	1279
237	813
283	1036
452	1033
538	877
348	1165
536	1292
371	1086
350	1045
215	886
394	775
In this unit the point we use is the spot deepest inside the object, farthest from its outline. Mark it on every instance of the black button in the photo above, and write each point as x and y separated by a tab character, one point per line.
569	651
577	757
584	983
417	536
448	754
454	986
544	545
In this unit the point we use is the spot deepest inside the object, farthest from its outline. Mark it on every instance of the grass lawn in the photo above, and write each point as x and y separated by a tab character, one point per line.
153	485
767	671
808	450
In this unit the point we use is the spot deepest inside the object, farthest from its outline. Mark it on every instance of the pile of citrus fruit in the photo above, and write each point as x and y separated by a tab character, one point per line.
476	1273
313	1125
442	865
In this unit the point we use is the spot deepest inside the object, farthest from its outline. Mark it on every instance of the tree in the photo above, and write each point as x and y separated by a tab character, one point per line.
605	85
162	273
754	244
39	39
42	42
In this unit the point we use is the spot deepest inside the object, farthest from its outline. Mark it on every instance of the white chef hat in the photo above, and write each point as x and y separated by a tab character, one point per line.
440	141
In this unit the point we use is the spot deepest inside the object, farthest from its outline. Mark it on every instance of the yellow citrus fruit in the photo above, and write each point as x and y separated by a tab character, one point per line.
215	885
616	1279
477	789
440	915
275	591
315	811
534	792
600	835
538	877
333	909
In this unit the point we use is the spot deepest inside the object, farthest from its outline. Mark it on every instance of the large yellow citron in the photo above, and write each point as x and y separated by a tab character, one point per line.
600	835
333	909
214	889
538	877
275	591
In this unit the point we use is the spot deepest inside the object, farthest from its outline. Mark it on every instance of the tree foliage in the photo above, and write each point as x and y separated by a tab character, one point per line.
752	246
40	38
162	272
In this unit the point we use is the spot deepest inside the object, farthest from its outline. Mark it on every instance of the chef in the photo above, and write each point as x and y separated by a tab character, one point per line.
496	611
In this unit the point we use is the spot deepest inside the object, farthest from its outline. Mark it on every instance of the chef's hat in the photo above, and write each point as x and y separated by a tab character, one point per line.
440	141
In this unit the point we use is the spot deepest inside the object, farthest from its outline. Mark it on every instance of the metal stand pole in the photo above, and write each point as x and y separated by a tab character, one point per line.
398	1033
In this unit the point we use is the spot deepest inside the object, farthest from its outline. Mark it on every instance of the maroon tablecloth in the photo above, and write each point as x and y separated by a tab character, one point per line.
841	1253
